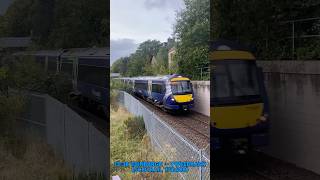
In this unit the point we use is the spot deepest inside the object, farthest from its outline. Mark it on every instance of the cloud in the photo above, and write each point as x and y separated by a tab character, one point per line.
121	48
155	4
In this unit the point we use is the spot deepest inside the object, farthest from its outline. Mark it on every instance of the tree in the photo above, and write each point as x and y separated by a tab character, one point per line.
17	20
138	63
192	32
262	24
58	23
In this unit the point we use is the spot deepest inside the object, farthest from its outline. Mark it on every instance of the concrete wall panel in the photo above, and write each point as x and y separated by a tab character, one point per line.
202	97
294	93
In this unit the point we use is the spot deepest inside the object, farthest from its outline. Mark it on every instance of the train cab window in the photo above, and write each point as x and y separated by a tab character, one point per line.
158	88
244	79
220	81
181	87
234	78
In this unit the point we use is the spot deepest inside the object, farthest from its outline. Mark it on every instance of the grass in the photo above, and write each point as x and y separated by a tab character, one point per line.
128	145
21	159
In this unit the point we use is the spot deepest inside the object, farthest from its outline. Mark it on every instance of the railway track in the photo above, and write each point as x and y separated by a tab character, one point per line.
259	166
194	126
260	175
193	123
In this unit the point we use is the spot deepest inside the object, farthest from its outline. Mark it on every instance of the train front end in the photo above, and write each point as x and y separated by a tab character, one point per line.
180	94
239	108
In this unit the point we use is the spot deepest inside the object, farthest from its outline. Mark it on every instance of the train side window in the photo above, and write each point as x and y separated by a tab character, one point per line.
158	88
93	75
142	86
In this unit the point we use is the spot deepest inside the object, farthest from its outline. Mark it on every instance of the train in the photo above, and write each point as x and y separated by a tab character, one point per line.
86	68
239	105
171	92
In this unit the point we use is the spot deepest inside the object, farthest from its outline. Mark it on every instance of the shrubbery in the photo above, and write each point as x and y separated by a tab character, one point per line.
135	127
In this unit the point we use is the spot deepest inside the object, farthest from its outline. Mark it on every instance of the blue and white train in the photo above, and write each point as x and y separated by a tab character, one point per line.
171	92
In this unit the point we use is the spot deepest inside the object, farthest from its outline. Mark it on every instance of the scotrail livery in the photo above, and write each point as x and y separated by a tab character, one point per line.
171	92
239	103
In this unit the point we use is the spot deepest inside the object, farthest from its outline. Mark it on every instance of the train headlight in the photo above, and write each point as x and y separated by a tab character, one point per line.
172	99
264	118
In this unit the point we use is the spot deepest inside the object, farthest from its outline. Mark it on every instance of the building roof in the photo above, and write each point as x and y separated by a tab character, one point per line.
15	42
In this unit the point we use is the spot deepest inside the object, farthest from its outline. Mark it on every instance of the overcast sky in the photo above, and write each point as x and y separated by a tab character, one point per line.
135	21
4	4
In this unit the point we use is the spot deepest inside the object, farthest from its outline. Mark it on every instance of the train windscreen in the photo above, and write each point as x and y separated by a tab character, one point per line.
181	87
234	79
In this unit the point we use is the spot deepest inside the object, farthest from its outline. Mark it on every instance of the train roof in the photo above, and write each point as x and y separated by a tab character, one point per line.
80	52
229	50
153	78
87	52
227	45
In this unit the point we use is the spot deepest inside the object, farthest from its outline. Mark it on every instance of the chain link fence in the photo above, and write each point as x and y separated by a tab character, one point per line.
165	139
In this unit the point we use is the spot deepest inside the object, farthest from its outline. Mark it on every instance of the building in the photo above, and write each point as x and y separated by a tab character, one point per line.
171	54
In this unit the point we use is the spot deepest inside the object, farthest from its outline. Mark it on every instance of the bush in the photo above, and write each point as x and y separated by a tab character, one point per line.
135	127
114	100
10	109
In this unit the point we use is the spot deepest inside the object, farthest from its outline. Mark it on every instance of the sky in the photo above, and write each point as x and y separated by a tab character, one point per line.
135	21
4	4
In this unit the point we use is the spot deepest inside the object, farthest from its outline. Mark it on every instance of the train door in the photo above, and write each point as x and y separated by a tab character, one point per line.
149	88
67	69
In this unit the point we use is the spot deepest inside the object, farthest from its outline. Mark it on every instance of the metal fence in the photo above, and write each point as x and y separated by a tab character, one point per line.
173	145
77	141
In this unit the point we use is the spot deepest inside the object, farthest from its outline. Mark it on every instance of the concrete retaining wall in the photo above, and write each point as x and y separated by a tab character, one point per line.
202	97
82	146
294	92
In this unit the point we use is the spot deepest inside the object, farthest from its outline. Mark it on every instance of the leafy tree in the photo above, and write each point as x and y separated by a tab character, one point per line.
262	24
42	19
138	63
58	23
81	25
18	18
192	32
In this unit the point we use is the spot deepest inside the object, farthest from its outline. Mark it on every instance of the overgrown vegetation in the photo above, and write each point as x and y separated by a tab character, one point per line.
265	26
191	34
24	159
31	159
140	62
129	142
25	74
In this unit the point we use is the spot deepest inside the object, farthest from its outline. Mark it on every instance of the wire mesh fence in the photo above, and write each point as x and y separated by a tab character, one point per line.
165	139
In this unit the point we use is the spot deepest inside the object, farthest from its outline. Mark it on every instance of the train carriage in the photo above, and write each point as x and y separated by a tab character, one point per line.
171	92
86	68
239	104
